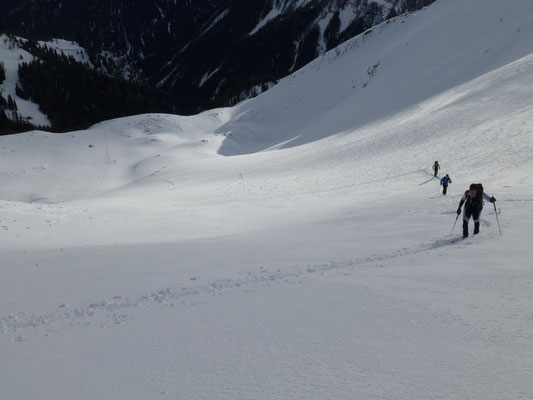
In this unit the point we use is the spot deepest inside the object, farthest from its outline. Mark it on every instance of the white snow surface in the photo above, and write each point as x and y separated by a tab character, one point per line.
295	246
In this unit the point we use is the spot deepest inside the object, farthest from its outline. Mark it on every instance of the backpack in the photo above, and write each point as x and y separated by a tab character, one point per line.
479	195
479	187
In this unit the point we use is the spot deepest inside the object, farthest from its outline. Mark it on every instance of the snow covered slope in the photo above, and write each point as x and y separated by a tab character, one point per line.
68	48
389	70
11	56
294	246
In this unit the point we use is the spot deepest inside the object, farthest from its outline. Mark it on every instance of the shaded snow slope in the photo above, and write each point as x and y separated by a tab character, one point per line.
294	246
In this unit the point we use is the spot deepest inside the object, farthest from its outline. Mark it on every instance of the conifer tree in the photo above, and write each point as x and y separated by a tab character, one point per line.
2	72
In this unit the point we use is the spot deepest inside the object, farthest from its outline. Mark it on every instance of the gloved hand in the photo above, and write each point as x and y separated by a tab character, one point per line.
493	199
459	211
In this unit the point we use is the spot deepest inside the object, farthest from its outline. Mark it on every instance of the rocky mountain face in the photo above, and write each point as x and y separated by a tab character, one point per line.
204	52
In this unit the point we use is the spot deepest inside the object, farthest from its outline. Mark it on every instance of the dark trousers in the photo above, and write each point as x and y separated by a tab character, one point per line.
444	189
436	171
471	212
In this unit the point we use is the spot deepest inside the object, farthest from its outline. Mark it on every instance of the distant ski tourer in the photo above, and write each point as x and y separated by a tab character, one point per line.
444	182
436	167
473	201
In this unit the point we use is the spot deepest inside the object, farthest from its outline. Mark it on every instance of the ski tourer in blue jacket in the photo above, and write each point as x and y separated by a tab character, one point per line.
444	182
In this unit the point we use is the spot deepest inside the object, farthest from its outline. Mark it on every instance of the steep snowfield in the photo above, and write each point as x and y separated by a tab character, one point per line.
295	246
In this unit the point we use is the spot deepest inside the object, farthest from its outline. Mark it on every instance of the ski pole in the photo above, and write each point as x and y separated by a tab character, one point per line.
497	219
455	223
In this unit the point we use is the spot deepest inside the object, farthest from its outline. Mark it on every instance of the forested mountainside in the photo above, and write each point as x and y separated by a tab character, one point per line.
203	53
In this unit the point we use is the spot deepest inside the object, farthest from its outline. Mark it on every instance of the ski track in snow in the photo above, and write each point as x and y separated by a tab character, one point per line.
118	309
106	168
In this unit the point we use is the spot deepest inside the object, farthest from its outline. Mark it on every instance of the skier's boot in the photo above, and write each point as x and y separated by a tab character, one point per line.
476	228
465	229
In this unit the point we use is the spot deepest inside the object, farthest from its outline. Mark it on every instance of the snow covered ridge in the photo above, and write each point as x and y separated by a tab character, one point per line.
34	70
108	63
68	48
295	246
11	55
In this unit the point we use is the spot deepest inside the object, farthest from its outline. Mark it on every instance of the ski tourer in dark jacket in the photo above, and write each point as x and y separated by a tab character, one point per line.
473	202
444	182
436	167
